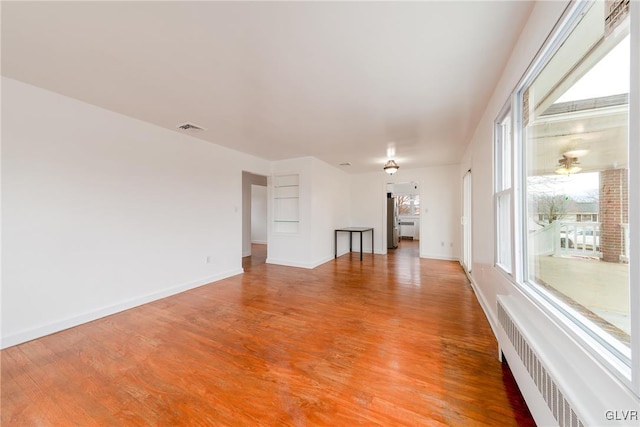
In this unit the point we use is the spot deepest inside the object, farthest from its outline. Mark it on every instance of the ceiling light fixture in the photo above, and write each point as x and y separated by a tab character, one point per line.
563	170
391	167
568	165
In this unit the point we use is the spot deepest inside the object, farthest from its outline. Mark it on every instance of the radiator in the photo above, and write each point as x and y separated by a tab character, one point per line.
554	397
407	229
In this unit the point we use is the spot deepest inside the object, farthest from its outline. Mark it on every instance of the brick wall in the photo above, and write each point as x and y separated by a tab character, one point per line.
614	211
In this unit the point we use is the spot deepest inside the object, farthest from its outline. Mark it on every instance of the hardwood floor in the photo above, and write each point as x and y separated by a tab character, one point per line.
392	340
258	256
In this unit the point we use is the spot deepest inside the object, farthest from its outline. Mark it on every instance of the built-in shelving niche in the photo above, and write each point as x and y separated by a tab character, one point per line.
286	203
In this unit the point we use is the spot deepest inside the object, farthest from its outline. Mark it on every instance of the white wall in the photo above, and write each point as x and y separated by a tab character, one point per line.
404	188
556	346
368	204
259	214
324	206
102	212
330	209
439	191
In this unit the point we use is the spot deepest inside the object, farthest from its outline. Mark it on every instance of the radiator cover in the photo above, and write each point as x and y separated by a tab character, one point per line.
561	409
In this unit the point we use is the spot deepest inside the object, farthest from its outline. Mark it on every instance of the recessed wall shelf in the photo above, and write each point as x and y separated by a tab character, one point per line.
286	203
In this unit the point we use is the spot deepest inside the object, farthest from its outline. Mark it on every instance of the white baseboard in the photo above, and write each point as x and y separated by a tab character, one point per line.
323	260
437	256
259	242
60	325
288	263
246	253
489	314
344	253
308	265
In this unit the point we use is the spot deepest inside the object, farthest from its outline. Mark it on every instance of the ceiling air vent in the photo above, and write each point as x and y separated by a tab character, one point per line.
189	126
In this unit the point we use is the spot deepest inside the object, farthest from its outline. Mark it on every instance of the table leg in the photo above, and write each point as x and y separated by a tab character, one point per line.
350	241
335	242
361	246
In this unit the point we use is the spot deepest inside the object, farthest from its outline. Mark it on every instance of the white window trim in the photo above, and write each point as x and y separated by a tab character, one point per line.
498	187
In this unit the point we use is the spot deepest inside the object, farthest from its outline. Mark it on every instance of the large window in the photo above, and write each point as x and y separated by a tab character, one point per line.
573	169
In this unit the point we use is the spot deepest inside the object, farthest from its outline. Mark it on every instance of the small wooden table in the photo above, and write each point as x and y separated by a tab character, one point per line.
352	230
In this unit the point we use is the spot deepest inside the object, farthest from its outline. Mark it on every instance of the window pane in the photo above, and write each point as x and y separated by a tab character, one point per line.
506	153
504	231
404	205
575	133
503	154
408	205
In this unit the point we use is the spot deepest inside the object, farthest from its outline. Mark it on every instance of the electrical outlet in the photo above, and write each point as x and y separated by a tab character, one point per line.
209	259
442	244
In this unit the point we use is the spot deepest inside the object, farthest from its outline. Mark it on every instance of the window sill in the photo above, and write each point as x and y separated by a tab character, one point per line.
607	359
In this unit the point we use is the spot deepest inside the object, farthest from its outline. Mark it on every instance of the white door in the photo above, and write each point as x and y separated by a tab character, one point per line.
466	222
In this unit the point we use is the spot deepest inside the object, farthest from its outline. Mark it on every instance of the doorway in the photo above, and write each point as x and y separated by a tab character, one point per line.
403	218
254	220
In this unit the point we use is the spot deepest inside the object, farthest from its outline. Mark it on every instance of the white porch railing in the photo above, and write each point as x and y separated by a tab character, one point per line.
542	241
579	238
563	238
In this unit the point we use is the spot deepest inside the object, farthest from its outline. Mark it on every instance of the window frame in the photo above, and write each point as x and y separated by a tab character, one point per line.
601	346
500	189
414	205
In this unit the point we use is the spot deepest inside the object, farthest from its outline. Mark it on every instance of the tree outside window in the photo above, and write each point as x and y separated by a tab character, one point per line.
409	205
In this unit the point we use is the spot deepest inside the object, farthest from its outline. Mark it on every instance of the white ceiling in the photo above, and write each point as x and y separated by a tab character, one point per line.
341	81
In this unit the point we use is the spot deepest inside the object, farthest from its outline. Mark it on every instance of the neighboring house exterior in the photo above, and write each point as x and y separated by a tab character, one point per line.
574	212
